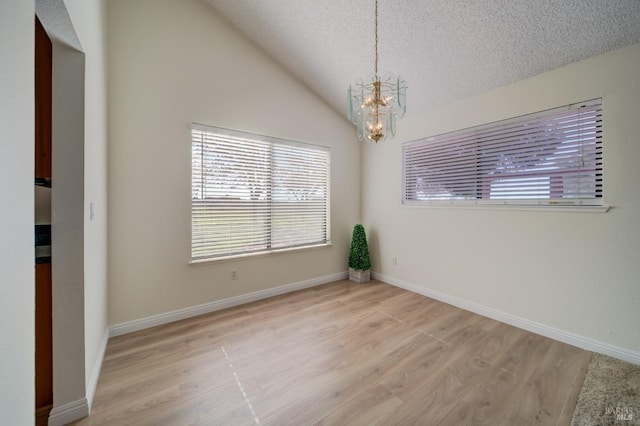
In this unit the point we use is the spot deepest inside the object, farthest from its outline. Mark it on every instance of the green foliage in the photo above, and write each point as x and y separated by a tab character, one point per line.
359	253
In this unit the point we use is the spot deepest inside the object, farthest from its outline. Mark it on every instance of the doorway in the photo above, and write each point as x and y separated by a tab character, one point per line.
42	230
67	213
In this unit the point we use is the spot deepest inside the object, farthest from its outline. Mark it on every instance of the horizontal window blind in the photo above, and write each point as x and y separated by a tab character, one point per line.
552	157
253	193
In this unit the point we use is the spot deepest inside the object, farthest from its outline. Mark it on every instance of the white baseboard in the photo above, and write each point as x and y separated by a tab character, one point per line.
532	326
167	317
97	367
76	410
67	413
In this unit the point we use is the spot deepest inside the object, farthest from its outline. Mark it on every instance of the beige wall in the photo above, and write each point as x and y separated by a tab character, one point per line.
16	213
575	272
67	230
88	19
176	62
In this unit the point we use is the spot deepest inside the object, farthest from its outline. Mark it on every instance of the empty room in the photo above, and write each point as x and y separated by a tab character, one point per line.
320	212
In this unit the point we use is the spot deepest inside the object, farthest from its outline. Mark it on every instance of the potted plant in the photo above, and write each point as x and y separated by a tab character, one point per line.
359	262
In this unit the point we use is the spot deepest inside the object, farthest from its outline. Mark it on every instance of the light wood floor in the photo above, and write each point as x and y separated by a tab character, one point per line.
338	354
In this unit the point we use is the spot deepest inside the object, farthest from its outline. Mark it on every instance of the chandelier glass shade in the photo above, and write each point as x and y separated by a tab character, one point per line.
374	105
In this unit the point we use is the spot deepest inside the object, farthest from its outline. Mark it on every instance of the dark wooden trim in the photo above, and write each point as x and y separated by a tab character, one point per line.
44	360
43	101
43	278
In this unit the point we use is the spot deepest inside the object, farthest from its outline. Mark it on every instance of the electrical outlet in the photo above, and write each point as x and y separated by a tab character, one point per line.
233	274
394	261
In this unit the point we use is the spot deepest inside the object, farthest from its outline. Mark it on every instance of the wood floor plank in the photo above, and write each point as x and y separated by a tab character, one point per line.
367	408
440	391
137	410
543	396
337	354
495	388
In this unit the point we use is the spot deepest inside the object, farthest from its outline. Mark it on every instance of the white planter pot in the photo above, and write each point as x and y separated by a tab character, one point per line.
359	276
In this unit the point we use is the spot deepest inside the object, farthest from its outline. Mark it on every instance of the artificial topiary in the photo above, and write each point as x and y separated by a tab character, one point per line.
359	253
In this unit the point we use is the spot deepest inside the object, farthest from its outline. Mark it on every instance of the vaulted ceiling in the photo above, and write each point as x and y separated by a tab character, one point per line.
445	49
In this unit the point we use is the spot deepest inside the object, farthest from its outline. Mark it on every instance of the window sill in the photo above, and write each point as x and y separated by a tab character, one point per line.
247	256
574	208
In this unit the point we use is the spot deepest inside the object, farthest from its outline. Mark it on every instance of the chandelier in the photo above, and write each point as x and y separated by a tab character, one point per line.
375	105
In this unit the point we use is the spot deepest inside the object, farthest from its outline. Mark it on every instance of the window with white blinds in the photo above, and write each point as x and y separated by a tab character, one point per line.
255	194
548	158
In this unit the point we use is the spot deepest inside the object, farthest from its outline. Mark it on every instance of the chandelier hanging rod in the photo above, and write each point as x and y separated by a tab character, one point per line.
376	31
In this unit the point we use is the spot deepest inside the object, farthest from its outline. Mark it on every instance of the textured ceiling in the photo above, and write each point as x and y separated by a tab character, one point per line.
445	49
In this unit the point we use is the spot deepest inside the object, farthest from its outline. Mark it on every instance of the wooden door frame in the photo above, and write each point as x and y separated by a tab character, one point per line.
43	297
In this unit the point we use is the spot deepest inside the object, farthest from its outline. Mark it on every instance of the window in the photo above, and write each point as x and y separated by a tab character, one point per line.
549	158
256	194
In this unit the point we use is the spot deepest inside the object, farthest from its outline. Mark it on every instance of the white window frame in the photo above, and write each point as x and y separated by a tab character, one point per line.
466	150
251	185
